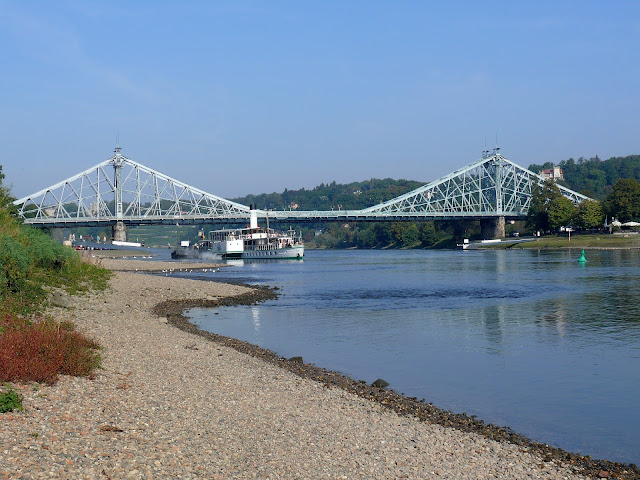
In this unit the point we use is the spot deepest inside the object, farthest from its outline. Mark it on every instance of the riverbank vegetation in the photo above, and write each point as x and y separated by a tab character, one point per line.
580	241
550	210
33	267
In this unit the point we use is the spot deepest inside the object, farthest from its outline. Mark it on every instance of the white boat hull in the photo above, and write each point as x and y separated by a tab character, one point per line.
255	243
274	254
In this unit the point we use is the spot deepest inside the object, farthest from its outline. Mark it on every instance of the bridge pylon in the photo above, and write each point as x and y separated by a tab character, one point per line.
492	228
119	232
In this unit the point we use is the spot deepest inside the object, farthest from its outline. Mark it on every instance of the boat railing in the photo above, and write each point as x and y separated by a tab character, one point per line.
280	239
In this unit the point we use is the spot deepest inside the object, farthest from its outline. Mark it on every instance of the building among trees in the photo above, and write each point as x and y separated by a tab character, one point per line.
554	173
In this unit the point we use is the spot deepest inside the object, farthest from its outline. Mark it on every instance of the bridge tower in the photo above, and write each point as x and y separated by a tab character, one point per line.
119	231
494	227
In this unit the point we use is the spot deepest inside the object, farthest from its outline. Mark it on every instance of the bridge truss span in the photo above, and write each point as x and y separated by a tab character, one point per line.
121	191
491	186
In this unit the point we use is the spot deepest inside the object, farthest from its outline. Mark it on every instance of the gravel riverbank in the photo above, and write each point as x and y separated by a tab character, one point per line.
171	404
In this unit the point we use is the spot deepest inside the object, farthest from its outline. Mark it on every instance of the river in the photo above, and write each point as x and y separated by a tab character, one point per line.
529	339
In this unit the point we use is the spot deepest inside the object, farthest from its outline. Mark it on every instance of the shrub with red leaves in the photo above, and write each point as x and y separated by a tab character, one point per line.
42	350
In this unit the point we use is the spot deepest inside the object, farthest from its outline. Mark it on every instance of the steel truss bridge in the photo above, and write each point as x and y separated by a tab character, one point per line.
122	192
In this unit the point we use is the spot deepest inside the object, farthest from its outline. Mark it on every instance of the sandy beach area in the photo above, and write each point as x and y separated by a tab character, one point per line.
171	404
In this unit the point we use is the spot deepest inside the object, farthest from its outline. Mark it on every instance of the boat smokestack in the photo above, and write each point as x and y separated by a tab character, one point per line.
253	222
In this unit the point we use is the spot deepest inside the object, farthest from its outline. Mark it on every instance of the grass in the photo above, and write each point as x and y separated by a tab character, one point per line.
10	400
31	263
34	347
577	241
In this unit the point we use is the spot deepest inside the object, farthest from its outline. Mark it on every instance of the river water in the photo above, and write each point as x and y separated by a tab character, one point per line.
533	340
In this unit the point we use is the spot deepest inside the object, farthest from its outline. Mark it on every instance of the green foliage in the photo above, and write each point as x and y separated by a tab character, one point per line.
595	177
623	202
429	235
549	209
5	196
410	236
614	180
561	211
10	400
406	235
538	168
589	214
15	263
381	235
541	200
356	195
31	263
365	238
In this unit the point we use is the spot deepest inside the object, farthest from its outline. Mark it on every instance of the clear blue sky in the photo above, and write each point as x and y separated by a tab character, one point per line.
246	97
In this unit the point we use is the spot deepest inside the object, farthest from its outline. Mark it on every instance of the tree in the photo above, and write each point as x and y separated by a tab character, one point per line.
537	168
560	212
365	238
397	229
410	235
5	196
541	199
589	214
623	202
429	235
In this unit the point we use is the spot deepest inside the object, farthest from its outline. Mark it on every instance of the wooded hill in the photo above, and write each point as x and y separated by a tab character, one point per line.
595	177
356	195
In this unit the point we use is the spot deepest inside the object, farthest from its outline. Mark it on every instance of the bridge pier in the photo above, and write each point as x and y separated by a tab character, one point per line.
492	228
119	232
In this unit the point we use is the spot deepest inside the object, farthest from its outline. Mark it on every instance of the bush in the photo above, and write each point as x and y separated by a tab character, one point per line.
8	321
31	262
40	351
10	401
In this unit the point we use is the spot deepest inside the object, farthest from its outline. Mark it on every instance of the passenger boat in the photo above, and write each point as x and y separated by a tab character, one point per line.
255	243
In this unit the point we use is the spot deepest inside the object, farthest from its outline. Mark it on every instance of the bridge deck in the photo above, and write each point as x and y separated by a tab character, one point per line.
120	190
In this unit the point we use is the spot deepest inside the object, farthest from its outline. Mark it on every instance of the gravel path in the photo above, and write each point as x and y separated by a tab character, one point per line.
169	404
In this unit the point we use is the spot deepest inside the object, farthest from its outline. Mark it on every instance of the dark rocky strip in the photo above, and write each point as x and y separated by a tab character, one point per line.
409	406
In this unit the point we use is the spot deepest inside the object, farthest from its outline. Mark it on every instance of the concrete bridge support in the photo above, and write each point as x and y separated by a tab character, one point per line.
492	228
119	232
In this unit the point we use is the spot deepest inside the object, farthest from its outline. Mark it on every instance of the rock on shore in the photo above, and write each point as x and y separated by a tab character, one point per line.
170	404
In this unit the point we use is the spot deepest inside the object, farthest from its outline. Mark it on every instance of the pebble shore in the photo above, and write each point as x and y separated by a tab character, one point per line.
170	404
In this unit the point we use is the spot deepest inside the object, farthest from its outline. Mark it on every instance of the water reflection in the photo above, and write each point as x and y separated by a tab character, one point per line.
529	339
493	319
255	316
240	262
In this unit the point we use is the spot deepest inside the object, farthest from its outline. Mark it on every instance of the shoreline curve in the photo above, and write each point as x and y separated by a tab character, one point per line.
168	403
403	405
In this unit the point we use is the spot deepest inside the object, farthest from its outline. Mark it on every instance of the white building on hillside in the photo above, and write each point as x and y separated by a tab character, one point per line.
554	173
